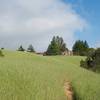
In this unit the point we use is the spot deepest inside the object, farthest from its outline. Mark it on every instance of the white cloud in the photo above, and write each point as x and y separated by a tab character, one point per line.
36	21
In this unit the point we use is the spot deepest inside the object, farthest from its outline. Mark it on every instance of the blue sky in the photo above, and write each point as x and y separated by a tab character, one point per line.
24	22
90	10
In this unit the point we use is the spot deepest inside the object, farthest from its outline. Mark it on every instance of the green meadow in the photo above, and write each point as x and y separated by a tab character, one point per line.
27	76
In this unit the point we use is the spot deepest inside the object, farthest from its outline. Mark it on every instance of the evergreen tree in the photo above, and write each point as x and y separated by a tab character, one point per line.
86	44
53	48
21	48
61	44
80	48
30	49
56	47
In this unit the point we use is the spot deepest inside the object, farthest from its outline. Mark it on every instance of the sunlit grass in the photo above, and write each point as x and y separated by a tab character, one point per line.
26	76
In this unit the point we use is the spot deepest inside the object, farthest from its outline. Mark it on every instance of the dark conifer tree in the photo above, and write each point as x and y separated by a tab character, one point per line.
21	48
30	49
80	48
56	47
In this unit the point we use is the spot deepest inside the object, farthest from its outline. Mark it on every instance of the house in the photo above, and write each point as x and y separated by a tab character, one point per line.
67	53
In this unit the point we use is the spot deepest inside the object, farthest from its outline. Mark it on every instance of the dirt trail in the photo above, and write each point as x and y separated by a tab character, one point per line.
68	90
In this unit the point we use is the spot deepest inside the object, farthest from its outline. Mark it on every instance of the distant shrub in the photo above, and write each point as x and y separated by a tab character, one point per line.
2	48
21	48
92	62
30	49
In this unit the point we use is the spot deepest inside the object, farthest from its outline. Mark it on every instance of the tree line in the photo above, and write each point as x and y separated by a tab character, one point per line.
57	46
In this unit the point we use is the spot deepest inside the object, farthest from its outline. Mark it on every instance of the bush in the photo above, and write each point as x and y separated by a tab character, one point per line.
21	48
92	61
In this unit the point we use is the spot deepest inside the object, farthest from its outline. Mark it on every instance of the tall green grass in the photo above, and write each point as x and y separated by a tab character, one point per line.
26	76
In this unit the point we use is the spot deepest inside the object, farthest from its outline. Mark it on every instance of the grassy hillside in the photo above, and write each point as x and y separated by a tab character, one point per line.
25	76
